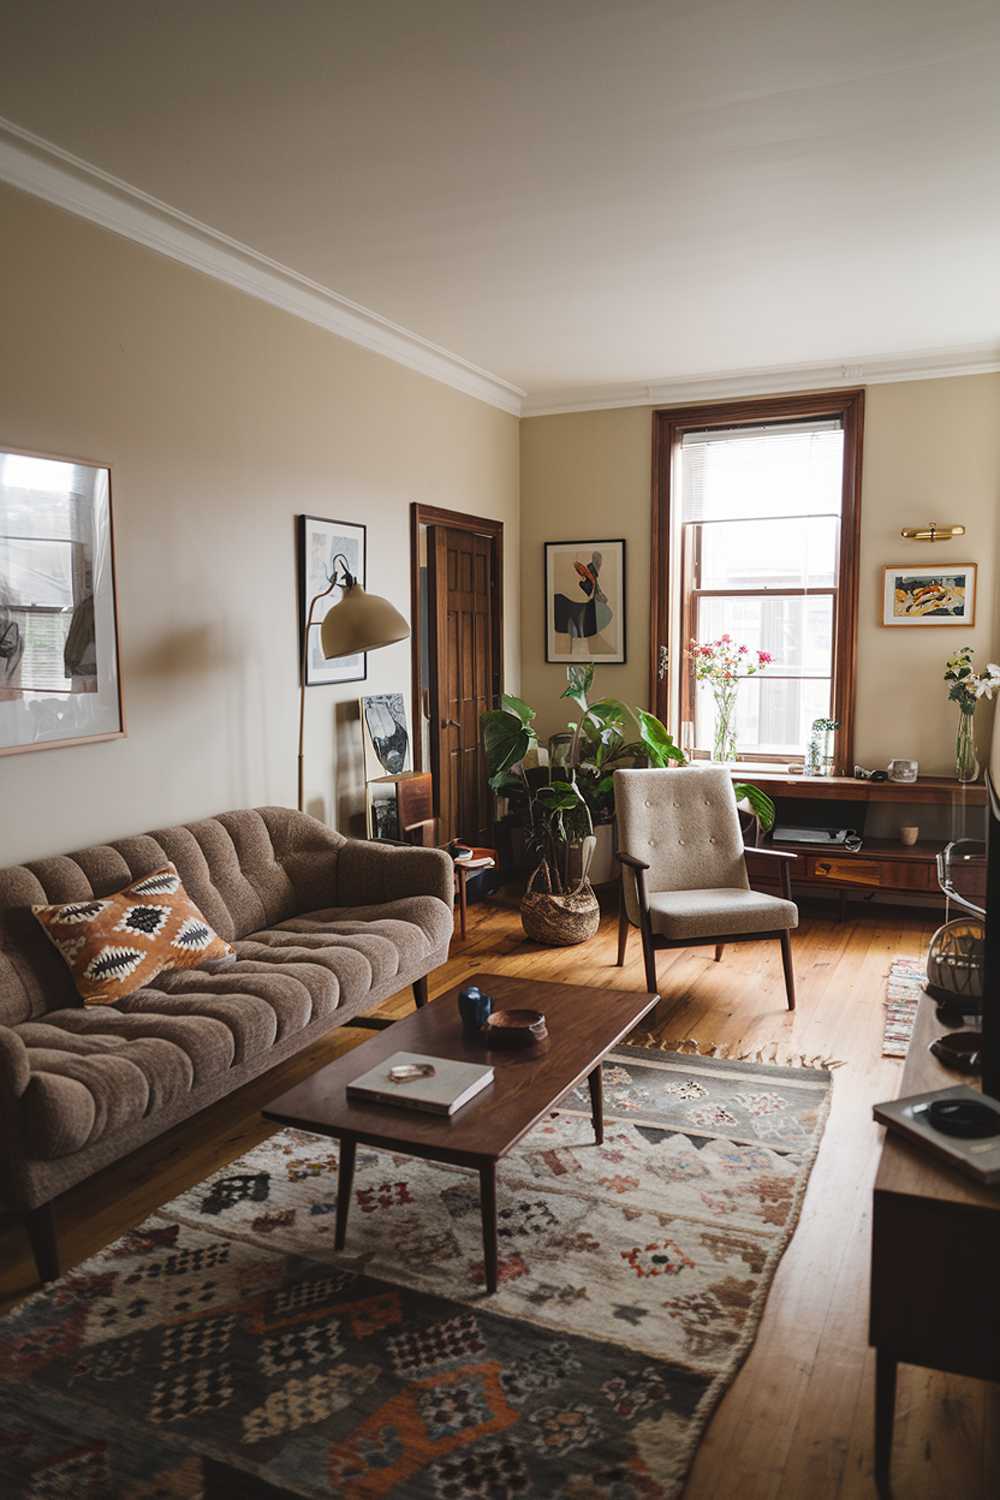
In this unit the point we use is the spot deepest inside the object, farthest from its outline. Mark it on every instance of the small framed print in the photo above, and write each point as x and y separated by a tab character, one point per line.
320	541
585	602
930	596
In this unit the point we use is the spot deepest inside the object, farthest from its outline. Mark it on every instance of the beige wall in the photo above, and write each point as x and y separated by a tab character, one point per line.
222	419
932	451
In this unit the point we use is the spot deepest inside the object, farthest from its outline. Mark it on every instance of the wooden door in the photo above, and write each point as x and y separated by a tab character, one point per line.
462	576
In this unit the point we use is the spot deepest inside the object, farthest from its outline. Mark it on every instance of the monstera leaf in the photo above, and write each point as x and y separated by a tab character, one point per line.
761	803
518	708
506	740
657	741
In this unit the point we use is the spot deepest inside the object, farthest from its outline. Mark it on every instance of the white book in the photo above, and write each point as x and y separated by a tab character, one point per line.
451	1085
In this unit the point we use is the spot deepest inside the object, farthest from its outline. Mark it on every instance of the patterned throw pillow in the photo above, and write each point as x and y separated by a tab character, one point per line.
116	944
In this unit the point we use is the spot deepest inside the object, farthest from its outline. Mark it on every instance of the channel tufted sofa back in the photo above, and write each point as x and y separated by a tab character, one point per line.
245	870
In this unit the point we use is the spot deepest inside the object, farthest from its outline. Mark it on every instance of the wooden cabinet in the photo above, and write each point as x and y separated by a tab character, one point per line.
880	864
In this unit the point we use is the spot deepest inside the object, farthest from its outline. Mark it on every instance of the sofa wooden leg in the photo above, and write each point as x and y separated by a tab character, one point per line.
41	1226
720	949
786	959
420	991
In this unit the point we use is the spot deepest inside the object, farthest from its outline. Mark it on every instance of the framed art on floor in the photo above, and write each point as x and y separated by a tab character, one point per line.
320	541
60	680
585	602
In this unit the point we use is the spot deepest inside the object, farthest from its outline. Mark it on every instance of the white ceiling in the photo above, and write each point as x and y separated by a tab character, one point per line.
576	195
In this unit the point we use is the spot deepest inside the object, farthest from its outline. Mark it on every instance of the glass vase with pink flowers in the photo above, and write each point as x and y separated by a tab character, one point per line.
723	664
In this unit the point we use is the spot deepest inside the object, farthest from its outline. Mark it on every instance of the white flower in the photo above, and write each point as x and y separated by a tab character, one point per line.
984	687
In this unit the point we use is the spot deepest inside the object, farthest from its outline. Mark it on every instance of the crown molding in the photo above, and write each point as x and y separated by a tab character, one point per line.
928	364
45	170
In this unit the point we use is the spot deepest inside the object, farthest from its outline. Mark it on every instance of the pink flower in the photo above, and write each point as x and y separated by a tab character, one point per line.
764	657
743	650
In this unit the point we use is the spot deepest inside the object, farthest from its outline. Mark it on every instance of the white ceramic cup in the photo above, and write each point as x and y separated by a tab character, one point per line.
909	834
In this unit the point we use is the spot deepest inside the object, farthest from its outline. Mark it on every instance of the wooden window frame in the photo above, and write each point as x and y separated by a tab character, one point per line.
669	427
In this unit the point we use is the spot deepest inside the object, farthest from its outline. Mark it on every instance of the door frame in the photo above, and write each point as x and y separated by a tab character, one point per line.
434	515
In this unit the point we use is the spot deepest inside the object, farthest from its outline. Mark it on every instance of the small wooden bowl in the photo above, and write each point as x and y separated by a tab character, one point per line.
514	1028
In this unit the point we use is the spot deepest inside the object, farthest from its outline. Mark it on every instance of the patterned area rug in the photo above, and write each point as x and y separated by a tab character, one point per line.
903	990
633	1280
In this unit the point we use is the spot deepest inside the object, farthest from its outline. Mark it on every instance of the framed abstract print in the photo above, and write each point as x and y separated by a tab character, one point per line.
585	602
60	679
320	541
943	595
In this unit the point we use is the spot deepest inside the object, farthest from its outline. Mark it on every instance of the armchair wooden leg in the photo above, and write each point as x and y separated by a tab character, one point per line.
622	927
420	991
720	949
649	960
41	1226
786	959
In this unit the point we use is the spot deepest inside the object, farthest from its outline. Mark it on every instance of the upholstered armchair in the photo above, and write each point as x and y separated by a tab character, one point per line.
684	869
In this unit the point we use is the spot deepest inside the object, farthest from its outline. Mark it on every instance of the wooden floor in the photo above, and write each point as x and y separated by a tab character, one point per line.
797	1421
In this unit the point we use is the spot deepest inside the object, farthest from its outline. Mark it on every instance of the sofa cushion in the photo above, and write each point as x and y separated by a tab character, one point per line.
365	947
115	944
95	1071
718	913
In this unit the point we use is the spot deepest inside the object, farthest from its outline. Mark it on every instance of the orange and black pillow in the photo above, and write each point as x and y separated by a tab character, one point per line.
114	945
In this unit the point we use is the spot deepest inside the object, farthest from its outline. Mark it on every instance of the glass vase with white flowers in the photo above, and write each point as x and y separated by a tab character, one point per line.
723	664
967	687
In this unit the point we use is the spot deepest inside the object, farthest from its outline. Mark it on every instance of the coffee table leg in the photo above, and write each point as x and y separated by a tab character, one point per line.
345	1181
597	1103
488	1200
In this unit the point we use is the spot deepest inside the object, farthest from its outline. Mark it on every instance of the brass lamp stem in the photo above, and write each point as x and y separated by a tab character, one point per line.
347	582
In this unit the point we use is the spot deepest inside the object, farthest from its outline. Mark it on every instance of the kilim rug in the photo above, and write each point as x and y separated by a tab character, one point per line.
633	1277
903	990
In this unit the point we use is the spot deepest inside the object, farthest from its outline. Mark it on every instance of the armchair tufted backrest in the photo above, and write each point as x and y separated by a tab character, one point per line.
683	823
244	870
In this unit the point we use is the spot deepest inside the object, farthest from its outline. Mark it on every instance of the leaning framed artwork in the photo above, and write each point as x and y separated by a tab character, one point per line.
929	596
60	680
585	602
320	541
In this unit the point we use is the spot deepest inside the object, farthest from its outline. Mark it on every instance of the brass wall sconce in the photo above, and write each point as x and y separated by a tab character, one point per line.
931	533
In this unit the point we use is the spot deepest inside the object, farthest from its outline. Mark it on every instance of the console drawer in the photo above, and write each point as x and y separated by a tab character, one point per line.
846	871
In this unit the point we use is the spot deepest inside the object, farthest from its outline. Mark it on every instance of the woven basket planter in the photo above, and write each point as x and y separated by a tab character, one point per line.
559	921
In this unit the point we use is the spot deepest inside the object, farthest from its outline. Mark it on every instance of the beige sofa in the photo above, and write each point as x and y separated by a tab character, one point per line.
324	927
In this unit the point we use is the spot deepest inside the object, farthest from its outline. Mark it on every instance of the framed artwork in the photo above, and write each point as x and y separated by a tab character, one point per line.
320	541
382	810
59	669
585	602
930	596
385	734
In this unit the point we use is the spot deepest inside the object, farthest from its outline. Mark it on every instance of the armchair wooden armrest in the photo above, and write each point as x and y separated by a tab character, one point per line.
628	859
781	859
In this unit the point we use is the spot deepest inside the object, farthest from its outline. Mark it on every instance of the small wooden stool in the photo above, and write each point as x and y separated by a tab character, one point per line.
463	875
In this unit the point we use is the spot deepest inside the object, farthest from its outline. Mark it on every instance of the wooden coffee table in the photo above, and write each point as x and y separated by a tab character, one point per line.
584	1024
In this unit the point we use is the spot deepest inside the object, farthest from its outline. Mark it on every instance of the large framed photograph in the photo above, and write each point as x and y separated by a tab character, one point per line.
60	680
585	602
930	596
320	541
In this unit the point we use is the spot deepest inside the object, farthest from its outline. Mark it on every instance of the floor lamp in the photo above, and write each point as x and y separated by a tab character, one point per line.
357	622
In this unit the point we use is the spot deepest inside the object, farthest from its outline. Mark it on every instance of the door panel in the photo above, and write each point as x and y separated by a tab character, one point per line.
460	567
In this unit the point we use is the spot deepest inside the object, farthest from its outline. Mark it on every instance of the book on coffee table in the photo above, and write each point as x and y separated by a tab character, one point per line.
451	1085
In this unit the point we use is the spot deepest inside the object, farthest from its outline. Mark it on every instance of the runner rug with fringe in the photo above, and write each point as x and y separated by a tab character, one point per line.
226	1335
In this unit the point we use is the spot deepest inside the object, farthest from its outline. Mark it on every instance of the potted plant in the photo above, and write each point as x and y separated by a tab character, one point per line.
568	812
